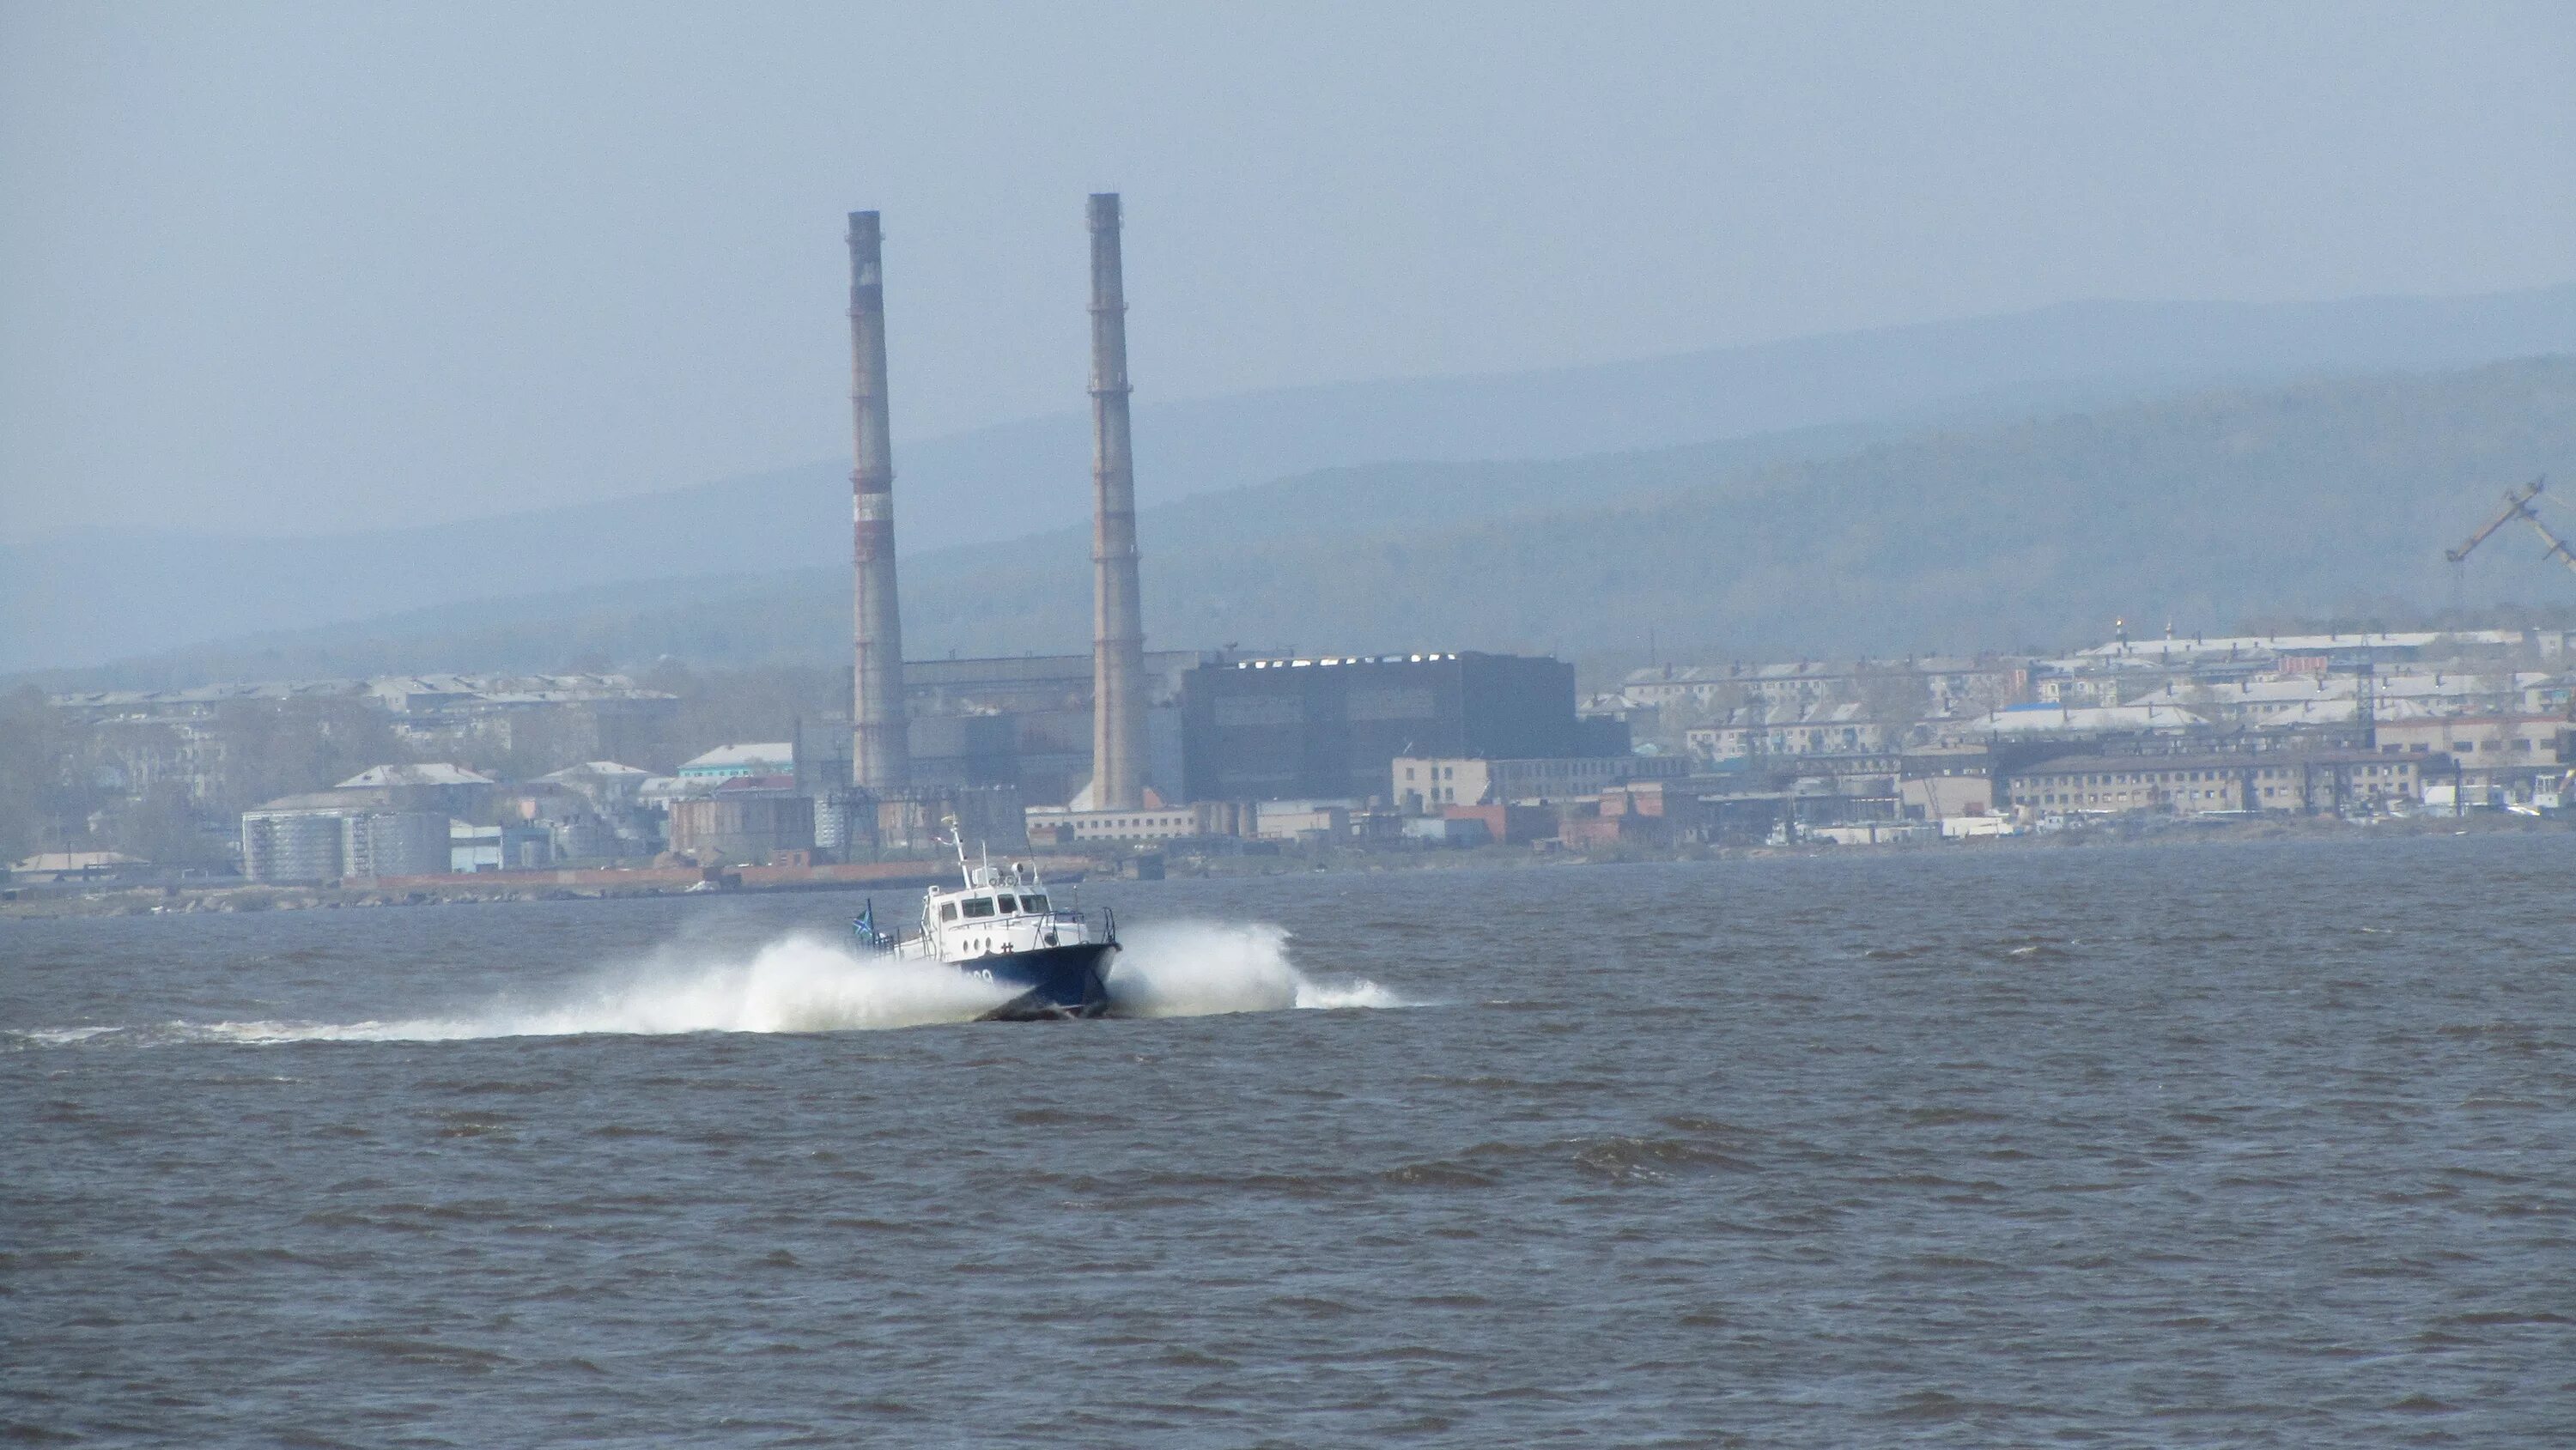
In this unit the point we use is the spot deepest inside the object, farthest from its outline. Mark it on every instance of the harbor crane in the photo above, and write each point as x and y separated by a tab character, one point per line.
2517	505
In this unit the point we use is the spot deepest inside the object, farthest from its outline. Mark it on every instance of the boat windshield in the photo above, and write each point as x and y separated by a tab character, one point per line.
1009	904
978	906
1037	904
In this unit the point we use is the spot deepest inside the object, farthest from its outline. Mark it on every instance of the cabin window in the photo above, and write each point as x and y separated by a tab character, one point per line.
978	906
1010	904
1037	904
948	911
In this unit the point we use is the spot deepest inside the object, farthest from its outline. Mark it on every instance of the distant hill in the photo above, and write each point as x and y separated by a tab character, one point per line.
2314	498
91	595
2202	508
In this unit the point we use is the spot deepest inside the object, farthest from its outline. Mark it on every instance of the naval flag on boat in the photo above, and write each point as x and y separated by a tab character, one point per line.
864	925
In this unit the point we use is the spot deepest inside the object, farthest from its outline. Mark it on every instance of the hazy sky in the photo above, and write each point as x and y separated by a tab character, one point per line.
288	269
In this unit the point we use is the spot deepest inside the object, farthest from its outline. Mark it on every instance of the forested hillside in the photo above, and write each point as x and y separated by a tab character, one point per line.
2318	498
175	588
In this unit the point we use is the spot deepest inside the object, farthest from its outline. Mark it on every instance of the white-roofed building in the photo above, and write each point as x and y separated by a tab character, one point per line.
449	790
1938	685
656	793
377	777
2257	702
2387	645
2083	719
1754	730
772	757
58	866
607	785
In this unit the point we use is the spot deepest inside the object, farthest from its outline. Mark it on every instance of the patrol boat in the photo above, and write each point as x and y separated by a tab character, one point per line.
1002	927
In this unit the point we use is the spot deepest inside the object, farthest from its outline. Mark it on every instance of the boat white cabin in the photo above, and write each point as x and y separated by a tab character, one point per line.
1001	910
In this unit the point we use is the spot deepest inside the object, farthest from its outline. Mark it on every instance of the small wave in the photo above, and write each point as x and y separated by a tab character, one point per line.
57	1036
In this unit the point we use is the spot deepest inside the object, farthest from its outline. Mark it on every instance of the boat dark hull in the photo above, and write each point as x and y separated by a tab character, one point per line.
1052	983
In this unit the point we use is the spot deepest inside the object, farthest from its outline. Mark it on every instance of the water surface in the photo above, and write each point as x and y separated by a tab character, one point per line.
2222	1144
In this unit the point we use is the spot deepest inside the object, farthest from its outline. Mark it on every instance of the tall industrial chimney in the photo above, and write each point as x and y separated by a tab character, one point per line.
881	758
1117	619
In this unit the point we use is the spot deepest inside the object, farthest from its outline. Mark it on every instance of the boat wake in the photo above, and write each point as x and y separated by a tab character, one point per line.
804	983
1200	968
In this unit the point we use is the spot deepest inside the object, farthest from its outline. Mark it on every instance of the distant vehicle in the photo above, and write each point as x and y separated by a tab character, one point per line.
1001	926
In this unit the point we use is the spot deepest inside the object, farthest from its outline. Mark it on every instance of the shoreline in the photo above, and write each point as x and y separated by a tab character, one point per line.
38	903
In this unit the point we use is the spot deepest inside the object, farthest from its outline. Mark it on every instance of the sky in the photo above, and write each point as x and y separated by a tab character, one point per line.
290	269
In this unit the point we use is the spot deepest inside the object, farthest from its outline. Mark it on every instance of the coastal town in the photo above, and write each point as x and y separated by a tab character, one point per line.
616	778
592	784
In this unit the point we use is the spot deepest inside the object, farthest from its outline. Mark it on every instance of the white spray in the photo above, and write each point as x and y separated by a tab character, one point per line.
795	984
803	983
1199	968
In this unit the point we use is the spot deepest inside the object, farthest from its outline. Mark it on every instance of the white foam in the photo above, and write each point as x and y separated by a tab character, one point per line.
58	1036
1201	968
795	984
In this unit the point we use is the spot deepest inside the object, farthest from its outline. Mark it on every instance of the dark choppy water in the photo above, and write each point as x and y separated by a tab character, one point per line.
2214	1145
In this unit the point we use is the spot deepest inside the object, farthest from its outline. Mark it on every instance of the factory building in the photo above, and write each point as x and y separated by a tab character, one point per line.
1112	737
335	834
285	841
1028	729
1333	727
2480	740
917	820
1756	732
396	843
2202	784
472	848
1422	784
1026	721
1057	826
1936	686
745	820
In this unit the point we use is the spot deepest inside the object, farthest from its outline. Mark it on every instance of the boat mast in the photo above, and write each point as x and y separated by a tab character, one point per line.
957	839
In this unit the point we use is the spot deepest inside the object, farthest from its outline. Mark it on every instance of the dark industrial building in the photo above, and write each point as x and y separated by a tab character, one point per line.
1026	721
1329	728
